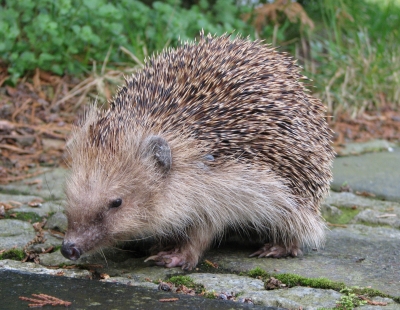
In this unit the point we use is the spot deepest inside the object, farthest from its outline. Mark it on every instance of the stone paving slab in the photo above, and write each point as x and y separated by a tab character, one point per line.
377	173
292	298
44	208
356	255
372	146
364	252
48	185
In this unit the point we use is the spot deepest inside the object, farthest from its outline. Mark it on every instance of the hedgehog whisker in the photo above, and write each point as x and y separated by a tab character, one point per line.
100	250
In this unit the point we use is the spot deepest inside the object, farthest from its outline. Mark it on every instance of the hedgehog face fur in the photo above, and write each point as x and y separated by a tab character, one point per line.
211	137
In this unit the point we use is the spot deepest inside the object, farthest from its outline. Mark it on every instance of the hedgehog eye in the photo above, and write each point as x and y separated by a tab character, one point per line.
115	203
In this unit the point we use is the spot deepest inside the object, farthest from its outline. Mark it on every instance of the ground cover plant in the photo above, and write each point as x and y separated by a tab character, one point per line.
349	48
75	33
355	55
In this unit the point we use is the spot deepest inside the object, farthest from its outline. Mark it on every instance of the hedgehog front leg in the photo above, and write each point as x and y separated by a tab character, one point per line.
187	254
278	250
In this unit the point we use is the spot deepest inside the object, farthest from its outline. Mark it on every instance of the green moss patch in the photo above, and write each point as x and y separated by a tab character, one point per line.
345	217
24	216
296	280
56	248
14	254
182	280
257	273
188	282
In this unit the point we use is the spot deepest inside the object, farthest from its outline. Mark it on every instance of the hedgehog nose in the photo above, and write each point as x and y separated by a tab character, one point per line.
68	250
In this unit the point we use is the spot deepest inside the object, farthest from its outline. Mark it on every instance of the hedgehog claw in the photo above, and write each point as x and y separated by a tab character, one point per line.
277	251
153	257
170	259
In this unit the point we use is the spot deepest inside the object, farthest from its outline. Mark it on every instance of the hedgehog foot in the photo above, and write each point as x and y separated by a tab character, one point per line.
173	258
277	251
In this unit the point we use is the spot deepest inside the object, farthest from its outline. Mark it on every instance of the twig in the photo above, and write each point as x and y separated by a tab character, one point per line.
130	54
21	177
43	300
168	299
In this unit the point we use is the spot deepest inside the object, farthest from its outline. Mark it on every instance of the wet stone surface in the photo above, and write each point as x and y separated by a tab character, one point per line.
362	249
100	295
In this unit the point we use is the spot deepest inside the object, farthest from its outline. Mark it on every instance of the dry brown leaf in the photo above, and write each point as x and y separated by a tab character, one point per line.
104	276
271	11
37	202
211	264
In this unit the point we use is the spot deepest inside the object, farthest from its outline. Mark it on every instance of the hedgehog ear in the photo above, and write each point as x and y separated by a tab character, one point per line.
158	148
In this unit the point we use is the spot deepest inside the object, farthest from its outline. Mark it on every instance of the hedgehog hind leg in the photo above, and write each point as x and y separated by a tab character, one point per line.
276	250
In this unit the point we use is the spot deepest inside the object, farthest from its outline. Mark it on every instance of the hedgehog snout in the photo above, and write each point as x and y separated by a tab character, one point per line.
70	251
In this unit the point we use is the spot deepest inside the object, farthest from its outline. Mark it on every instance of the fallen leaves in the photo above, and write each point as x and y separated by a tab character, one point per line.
104	276
233	297
211	264
169	287
41	300
8	205
37	114
267	12
35	203
273	283
365	194
382	124
5	206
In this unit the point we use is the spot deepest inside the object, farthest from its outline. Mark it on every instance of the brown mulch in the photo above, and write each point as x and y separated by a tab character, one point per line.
383	124
33	124
37	115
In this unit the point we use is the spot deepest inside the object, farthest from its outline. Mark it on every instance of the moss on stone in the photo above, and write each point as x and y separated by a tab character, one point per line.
346	215
188	282
323	283
296	280
210	295
24	216
182	280
257	273
14	254
13	191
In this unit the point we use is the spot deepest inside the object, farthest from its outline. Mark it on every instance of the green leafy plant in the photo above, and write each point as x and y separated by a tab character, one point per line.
67	36
353	55
349	300
351	51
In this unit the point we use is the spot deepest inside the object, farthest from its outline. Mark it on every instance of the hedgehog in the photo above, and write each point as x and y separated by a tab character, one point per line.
214	138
